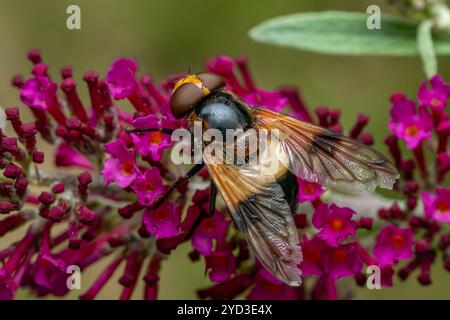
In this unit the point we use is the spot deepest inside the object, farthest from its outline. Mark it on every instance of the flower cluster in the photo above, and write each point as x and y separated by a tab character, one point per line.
423	129
102	207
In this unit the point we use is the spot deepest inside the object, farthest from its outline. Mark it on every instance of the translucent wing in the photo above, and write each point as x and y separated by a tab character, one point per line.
328	158
257	205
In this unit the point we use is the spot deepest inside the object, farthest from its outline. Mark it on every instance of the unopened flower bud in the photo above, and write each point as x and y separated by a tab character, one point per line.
46	198
58	187
12	171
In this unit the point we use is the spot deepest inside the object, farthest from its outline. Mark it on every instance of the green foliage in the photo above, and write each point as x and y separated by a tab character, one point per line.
426	49
343	33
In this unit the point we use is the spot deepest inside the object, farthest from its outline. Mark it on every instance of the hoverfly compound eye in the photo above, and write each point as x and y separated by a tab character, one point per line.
184	98
189	90
211	81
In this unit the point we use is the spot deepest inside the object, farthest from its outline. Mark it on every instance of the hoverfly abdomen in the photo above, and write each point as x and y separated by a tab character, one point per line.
288	182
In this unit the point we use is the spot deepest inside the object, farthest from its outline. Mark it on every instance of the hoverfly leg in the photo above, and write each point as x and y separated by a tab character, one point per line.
140	130
192	172
212	200
202	215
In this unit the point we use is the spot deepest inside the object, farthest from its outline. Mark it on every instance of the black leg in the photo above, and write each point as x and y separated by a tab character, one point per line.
163	130
192	172
195	225
212	199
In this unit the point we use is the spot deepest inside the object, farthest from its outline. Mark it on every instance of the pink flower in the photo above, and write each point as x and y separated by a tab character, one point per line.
7	286
222	65
120	167
435	97
148	186
220	265
66	156
320	259
335	223
35	92
308	191
269	99
267	287
163	222
437	205
230	289
343	261
214	228
393	244
13	270
49	272
408	124
151	143
312	251
121	78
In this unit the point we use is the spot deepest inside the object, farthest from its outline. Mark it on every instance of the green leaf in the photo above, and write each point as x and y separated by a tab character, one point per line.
345	33
426	49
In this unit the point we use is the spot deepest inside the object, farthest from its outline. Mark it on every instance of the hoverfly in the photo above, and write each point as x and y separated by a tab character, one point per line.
261	204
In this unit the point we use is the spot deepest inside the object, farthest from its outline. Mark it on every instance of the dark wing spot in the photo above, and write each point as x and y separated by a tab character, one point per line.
320	142
379	161
331	134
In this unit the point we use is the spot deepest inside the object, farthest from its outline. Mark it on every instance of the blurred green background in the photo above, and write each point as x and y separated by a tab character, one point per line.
168	36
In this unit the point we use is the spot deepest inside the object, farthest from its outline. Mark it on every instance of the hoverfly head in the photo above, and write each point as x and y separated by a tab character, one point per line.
191	89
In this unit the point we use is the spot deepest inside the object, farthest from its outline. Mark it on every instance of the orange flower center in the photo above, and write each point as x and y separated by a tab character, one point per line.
435	102
412	130
155	137
397	241
312	254
161	214
337	224
340	256
309	188
208	224
443	206
127	167
272	287
150	187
